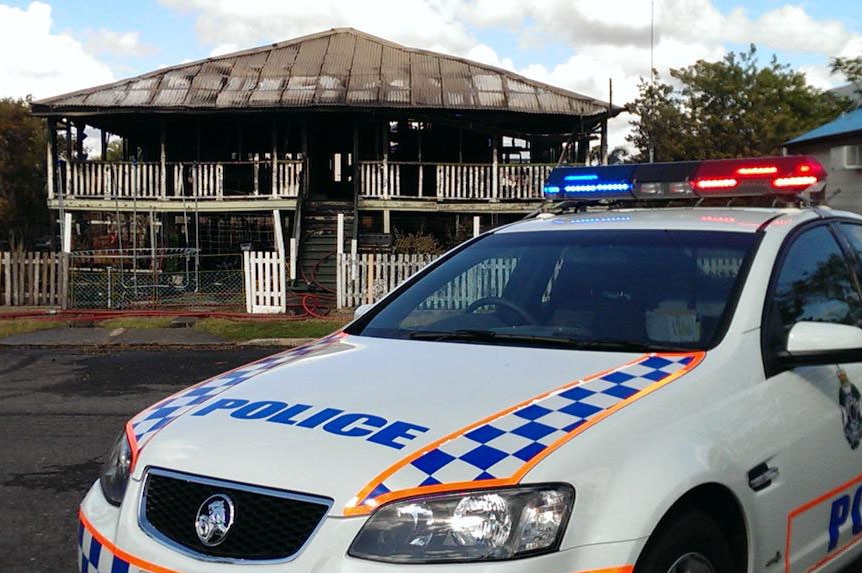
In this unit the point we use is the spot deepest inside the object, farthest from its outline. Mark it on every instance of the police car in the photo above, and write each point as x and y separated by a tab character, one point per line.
634	389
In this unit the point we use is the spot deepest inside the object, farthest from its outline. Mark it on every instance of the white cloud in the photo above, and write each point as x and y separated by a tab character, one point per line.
116	43
486	55
609	39
223	49
820	78
431	24
39	62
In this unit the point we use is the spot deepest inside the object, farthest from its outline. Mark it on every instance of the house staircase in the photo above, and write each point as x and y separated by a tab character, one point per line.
317	243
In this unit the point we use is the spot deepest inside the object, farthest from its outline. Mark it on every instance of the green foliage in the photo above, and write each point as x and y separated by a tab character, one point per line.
418	243
619	155
114	152
729	108
23	210
851	68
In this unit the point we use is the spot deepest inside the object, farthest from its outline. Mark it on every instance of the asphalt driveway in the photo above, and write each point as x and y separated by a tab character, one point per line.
60	410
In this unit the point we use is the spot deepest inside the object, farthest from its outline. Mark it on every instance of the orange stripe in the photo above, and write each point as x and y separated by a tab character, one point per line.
697	357
831	493
623	569
835	553
130	559
133	445
364	492
130	431
805	507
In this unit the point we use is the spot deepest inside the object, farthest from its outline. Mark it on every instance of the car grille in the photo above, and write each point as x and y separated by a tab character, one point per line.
268	524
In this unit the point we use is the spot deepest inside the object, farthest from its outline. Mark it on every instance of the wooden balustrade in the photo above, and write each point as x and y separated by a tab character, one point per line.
378	182
122	180
454	181
465	181
288	178
522	181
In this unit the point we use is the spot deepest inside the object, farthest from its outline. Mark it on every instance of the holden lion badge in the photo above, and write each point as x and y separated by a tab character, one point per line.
215	518
849	399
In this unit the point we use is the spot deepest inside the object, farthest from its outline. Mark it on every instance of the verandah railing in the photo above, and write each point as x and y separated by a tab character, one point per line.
453	181
180	180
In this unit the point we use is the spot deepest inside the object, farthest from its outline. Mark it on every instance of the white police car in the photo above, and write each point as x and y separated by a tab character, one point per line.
647	390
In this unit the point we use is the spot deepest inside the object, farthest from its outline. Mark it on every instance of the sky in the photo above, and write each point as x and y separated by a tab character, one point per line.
49	48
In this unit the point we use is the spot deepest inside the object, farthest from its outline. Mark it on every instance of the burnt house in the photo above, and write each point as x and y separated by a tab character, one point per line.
262	149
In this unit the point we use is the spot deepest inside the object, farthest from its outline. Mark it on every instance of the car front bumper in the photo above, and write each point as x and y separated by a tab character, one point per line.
110	541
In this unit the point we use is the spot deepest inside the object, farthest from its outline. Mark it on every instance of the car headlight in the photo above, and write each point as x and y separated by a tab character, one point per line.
471	526
115	471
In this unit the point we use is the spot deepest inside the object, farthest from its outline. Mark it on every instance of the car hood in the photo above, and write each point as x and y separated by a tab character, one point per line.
363	420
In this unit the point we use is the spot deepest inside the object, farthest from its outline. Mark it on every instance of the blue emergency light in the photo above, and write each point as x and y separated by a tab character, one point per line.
590	183
783	176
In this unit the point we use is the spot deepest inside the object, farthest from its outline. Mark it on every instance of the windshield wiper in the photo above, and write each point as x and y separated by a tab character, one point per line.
537	340
630	346
489	336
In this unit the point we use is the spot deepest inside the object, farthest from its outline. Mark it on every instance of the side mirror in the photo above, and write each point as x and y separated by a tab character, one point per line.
824	343
361	309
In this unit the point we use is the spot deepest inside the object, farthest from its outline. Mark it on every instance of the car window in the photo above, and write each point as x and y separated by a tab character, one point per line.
814	284
853	234
648	287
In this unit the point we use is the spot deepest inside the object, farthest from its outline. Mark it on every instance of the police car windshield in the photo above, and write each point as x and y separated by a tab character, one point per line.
599	290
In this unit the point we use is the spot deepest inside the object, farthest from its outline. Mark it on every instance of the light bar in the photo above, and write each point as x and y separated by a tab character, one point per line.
728	183
591	183
785	176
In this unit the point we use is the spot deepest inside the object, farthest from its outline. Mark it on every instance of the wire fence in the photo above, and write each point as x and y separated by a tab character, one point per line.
169	279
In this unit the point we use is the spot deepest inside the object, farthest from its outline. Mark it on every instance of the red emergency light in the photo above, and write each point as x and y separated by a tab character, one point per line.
784	175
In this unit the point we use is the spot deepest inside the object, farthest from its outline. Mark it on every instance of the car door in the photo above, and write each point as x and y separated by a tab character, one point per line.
814	281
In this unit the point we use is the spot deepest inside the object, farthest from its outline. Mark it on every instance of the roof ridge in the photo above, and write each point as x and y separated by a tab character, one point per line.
194	67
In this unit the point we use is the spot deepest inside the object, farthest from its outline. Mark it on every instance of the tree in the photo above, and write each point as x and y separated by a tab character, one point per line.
729	108
23	209
619	155
851	68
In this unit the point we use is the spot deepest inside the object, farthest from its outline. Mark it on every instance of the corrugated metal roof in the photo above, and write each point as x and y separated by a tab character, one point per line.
339	67
848	123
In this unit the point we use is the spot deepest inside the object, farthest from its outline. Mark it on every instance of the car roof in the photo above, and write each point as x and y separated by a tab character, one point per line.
737	219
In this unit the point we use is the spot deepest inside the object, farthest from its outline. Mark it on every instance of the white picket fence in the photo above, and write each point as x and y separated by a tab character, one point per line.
366	278
31	279
265	282
487	279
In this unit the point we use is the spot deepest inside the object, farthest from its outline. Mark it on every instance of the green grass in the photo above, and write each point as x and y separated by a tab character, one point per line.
20	326
137	322
232	330
248	330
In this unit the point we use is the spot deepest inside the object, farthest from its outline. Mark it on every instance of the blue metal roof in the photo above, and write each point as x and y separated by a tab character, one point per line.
844	124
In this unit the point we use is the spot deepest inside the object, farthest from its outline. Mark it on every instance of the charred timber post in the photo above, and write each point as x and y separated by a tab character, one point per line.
50	145
386	160
79	142
495	167
421	167
274	160
163	173
354	160
68	142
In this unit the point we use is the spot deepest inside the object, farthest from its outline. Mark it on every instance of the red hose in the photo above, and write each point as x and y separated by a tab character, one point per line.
308	304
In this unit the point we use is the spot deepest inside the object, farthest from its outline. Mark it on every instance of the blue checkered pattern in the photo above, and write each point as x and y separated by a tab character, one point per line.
93	557
499	448
146	424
